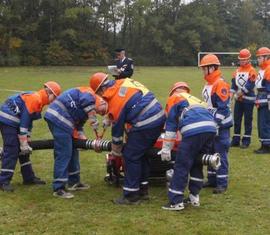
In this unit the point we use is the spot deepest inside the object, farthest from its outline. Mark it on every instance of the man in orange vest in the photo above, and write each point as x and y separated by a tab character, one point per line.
263	99
242	87
66	117
189	116
216	94
131	103
16	117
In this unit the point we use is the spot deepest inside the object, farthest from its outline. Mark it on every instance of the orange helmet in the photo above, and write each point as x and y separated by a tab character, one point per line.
96	80
179	85
101	105
209	59
263	51
244	54
54	87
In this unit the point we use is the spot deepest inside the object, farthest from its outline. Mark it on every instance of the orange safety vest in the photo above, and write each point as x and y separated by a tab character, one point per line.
119	94
178	97
36	101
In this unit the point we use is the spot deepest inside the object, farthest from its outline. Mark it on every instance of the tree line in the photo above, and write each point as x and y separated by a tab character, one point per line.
154	32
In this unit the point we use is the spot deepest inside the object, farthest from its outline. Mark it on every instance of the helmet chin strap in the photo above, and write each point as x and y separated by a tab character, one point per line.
51	96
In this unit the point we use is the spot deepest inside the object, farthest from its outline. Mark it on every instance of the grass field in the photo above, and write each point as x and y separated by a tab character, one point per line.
243	209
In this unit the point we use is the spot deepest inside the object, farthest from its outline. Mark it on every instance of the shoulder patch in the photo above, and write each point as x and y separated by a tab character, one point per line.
224	91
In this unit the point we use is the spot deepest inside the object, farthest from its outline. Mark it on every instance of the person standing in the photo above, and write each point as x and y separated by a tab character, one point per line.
16	117
196	124
263	99
124	65
131	103
216	93
66	117
242	88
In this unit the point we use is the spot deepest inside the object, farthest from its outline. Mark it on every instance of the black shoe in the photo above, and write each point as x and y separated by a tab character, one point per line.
78	186
7	188
33	181
244	146
174	207
207	184
63	194
219	190
132	200
264	149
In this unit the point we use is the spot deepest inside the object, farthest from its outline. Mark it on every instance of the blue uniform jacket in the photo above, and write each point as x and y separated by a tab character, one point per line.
190	120
70	110
15	113
140	112
126	67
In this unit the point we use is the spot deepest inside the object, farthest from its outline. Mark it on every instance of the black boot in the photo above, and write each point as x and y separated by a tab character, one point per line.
264	149
144	192
33	181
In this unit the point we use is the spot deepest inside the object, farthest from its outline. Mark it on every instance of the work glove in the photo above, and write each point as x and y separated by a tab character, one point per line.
24	146
93	120
81	135
238	95
167	145
117	150
106	122
165	154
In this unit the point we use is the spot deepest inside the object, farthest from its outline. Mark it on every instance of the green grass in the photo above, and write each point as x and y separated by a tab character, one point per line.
244	209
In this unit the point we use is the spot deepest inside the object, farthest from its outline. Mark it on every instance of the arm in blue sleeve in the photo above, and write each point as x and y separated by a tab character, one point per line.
267	86
87	101
249	86
118	129
173	116
222	108
128	71
26	122
233	86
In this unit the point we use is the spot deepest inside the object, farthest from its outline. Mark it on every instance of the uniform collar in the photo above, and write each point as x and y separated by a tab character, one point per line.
123	59
211	78
265	64
43	97
246	66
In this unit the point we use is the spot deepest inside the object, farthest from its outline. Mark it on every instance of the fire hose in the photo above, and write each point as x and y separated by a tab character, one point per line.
105	145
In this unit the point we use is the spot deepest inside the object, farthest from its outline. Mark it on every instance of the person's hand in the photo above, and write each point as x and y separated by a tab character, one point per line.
81	135
106	122
94	124
25	149
165	154
93	120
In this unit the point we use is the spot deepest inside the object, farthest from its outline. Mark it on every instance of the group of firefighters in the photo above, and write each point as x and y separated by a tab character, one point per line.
134	111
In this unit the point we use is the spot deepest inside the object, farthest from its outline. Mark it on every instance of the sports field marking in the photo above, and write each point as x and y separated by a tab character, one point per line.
10	90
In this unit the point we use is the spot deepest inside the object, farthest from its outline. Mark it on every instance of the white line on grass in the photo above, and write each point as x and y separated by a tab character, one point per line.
11	90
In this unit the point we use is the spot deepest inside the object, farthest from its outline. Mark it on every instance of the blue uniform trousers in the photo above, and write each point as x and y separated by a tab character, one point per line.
66	158
137	166
11	147
186	163
242	109
219	178
263	122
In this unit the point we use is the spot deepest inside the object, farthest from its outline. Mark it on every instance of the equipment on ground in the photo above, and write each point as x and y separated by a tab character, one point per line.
115	164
